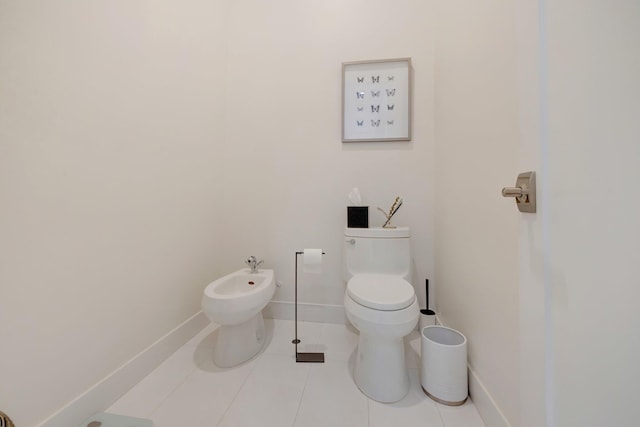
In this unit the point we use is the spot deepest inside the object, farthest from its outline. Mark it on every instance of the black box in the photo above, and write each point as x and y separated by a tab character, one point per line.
358	216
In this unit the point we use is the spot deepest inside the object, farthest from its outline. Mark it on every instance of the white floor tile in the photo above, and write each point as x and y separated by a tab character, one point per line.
202	399
280	334
331	398
189	390
147	395
460	416
270	396
339	341
416	409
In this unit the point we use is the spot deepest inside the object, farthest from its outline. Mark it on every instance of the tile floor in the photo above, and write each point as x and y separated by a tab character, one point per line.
271	390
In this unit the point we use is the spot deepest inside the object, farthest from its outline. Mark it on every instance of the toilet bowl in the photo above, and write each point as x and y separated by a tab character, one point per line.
381	303
380	369
235	302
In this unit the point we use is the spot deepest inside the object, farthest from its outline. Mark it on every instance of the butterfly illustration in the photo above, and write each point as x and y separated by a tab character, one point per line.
360	108
390	107
359	122
360	95
375	93
375	123
391	92
391	78
360	79
375	108
390	122
375	79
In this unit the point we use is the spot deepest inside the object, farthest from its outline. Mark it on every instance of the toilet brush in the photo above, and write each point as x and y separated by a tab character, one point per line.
427	317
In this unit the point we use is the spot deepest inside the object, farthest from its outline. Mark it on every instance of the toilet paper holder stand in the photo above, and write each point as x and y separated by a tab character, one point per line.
302	357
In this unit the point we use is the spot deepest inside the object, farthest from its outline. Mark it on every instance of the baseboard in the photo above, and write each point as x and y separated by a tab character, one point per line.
104	393
486	406
484	403
307	312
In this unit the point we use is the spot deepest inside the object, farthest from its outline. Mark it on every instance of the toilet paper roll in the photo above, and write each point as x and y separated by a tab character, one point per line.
312	261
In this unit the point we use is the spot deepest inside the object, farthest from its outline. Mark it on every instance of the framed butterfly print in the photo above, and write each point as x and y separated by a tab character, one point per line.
376	100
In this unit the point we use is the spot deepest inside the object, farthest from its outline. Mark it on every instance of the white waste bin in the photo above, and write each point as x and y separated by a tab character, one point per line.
444	365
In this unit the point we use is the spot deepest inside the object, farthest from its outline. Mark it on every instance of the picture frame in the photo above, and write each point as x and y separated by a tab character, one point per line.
376	100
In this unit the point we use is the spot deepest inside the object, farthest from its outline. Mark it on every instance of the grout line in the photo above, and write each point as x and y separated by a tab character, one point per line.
173	390
244	382
440	415
186	377
368	412
306	382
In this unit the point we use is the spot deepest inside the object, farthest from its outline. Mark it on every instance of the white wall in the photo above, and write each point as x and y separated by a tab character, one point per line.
149	147
477	134
533	239
287	173
110	186
594	219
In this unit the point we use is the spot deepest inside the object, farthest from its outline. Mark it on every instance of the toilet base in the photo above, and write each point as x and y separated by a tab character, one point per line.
380	368
239	343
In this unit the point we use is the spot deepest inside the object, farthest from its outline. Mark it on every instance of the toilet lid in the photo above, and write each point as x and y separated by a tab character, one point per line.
381	292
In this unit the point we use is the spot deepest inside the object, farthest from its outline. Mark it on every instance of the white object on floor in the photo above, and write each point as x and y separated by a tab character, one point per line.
444	365
105	419
235	302
381	303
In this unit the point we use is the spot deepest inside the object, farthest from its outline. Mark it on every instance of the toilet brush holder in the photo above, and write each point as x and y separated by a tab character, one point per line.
427	317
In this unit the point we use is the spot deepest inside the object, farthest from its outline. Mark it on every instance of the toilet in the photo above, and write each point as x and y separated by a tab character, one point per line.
235	302
381	303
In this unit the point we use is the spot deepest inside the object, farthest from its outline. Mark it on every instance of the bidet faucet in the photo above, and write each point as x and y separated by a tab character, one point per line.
253	263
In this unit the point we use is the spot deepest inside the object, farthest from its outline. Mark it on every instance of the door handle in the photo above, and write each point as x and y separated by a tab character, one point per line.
524	192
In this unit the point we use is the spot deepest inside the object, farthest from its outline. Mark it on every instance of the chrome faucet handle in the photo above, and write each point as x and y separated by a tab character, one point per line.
253	263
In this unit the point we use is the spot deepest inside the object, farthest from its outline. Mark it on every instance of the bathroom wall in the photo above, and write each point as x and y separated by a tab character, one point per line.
477	134
287	172
111	142
147	148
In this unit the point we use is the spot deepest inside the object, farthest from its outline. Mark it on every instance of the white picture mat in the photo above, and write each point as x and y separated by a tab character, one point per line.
376	100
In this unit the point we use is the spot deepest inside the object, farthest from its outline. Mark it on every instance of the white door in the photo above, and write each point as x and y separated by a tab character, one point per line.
582	253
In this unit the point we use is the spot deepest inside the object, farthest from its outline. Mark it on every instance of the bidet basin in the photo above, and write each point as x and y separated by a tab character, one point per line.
235	284
237	297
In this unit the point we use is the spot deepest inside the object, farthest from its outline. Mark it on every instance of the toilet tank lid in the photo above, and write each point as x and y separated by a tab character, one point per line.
378	232
380	291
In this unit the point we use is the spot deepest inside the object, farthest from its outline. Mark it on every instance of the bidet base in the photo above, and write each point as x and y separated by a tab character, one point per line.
239	343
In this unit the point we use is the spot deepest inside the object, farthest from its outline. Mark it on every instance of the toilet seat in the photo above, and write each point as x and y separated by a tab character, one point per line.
381	292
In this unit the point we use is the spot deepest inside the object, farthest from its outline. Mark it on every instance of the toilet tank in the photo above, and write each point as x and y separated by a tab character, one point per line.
377	250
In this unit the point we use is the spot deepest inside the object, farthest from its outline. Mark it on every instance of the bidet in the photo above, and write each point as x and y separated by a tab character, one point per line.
235	302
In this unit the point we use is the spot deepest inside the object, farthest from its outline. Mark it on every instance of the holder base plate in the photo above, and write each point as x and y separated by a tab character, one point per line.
310	357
